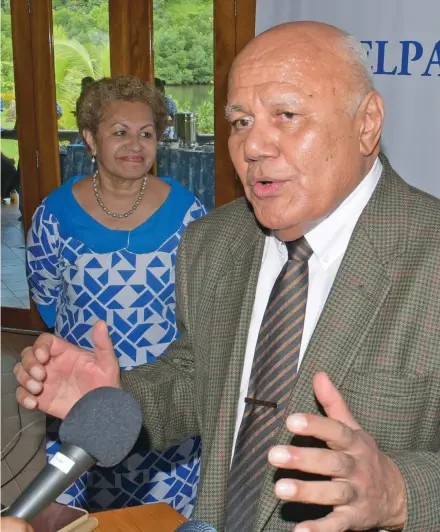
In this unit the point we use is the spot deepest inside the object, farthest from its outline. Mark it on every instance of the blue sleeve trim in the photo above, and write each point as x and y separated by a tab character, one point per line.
48	313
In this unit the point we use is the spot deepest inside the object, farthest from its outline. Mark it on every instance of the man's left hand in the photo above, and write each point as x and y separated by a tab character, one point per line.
367	489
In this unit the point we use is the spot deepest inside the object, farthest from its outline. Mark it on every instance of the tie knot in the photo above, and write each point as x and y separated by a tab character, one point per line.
299	250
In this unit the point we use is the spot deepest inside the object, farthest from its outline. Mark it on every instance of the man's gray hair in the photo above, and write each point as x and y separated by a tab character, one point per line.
357	57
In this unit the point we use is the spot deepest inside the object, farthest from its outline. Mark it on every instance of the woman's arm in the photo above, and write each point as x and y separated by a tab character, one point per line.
43	264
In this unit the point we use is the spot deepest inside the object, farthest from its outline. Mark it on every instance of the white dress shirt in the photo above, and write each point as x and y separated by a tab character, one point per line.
329	241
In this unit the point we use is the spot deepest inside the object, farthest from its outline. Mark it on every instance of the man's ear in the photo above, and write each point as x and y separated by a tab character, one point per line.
90	141
371	114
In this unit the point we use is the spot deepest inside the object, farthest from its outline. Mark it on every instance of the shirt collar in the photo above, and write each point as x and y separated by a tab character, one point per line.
330	238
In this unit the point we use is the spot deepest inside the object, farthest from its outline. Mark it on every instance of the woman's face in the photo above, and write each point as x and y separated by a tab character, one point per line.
126	143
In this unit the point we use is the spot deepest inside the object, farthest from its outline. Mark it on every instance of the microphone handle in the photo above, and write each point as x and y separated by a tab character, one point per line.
69	463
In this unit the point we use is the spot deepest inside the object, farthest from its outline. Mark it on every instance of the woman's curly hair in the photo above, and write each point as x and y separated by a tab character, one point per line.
91	105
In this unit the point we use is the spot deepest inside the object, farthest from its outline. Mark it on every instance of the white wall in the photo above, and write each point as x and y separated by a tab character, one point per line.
407	74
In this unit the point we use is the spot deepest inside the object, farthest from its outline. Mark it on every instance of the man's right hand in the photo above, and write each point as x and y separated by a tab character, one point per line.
54	374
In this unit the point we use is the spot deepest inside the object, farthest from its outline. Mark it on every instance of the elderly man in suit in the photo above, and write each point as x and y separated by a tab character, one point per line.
309	313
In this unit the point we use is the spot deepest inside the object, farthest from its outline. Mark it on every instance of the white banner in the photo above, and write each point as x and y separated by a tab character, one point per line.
402	39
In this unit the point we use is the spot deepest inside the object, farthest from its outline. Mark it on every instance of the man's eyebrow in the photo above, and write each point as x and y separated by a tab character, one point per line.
285	99
279	99
232	108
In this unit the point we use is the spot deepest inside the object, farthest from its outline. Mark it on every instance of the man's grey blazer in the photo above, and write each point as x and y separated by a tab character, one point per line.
378	338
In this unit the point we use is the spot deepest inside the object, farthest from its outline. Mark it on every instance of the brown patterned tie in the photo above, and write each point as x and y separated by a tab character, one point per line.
273	373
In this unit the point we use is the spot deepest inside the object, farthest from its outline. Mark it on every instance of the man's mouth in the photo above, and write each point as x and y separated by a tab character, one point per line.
264	188
262	180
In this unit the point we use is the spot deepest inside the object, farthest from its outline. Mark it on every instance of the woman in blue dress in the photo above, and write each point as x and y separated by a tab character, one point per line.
103	247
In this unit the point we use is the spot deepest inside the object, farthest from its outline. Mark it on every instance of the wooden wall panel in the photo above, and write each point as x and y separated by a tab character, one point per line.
35	101
37	125
131	38
45	97
234	27
224	53
25	105
244	23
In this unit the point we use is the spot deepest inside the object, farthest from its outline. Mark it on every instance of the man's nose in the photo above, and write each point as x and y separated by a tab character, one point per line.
261	141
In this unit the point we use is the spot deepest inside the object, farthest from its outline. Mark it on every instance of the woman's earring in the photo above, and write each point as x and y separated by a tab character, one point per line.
93	159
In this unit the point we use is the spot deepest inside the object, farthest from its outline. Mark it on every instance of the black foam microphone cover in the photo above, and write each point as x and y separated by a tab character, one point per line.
105	423
102	428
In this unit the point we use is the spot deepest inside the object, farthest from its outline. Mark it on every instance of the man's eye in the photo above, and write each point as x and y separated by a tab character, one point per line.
288	114
241	123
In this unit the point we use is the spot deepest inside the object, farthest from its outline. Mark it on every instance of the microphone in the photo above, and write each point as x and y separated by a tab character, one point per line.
195	526
102	427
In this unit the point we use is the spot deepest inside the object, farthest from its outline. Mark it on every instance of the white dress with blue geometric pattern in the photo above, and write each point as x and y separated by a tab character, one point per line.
79	272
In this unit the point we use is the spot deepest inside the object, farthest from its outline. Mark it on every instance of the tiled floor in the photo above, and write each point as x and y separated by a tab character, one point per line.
14	291
32	439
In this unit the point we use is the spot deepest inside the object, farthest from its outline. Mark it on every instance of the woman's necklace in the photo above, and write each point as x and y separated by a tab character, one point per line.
116	214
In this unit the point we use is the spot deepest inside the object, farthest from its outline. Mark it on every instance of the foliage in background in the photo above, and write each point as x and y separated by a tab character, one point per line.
81	43
183	44
74	61
8	147
7	70
183	41
205	116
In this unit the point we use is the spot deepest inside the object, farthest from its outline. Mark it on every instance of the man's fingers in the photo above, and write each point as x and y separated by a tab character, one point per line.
26	399
332	401
325	462
26	379
329	493
337	435
42	353
31	377
103	346
31	365
13	524
45	347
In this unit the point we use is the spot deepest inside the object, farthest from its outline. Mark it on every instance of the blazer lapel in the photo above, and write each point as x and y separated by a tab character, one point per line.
360	289
233	298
